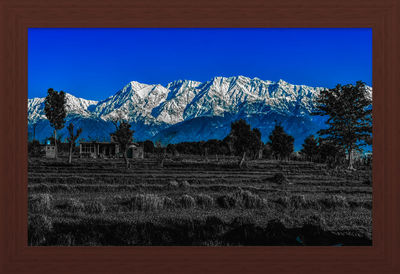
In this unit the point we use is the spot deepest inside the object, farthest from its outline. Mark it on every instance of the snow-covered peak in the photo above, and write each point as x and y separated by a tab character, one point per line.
183	83
77	105
73	106
186	99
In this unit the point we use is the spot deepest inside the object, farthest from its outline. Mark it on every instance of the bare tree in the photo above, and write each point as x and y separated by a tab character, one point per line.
71	139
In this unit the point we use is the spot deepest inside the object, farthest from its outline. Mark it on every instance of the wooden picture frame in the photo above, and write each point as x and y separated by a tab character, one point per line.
380	15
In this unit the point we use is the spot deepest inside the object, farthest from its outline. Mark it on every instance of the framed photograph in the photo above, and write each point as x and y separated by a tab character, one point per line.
176	137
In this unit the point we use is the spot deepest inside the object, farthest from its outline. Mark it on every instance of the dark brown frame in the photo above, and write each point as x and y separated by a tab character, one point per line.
17	16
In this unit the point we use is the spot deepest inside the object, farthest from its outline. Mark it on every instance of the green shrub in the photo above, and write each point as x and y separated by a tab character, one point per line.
187	201
146	202
39	203
204	201
94	207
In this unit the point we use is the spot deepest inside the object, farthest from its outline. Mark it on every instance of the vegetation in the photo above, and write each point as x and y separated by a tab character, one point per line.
310	148
244	139
349	116
124	137
281	143
71	139
54	109
192	201
193	193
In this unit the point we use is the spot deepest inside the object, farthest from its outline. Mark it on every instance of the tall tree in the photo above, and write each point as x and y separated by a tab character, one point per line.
329	152
310	148
148	146
71	139
280	142
55	111
349	112
244	139
124	137
161	153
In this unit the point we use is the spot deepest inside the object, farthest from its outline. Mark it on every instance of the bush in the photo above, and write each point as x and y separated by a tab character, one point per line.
227	201
74	205
94	207
39	227
172	184
204	201
244	199
298	201
184	185
279	178
315	220
187	201
283	201
250	200
39	203
169	203
146	202
334	201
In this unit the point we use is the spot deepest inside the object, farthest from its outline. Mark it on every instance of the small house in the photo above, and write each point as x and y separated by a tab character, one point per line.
135	152
50	150
96	149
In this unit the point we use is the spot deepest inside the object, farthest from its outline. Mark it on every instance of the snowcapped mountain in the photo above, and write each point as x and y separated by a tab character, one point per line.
187	110
74	106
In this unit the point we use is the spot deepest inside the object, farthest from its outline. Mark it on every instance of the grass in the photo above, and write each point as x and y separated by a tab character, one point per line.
39	203
193	202
146	202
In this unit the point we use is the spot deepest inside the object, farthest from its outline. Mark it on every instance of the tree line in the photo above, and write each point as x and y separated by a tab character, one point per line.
348	110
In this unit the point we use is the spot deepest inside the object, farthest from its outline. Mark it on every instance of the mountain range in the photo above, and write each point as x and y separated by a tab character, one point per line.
186	110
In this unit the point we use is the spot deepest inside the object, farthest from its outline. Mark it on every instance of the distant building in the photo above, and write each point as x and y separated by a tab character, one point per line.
96	149
50	150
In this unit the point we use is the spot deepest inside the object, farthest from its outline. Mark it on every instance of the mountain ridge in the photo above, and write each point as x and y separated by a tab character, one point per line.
153	108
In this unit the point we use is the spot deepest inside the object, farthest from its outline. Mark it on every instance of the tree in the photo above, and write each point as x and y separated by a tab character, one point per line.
148	146
161	153
244	139
330	152
280	142
54	109
349	112
71	139
34	130
124	137
34	148
310	148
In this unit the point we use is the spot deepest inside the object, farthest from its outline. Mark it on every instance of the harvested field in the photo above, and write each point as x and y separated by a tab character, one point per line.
193	201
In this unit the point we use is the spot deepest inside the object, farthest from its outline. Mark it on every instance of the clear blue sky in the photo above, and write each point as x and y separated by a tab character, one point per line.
96	63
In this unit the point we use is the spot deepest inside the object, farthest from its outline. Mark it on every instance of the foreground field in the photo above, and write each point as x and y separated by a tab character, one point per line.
193	201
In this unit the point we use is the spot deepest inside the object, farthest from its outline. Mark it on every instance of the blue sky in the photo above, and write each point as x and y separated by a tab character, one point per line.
96	63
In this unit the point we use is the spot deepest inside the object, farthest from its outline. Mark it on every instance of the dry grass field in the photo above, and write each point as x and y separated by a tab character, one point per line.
194	201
